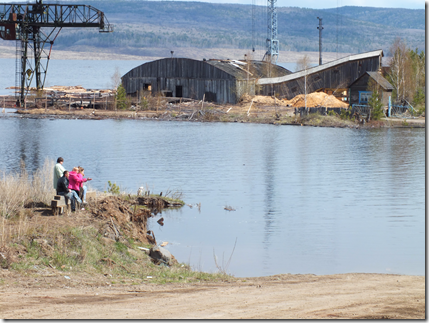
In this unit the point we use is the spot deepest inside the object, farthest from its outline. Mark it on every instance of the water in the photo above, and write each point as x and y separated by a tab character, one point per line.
306	200
91	74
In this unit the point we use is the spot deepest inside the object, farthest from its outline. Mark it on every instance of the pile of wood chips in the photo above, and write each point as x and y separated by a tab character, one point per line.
316	99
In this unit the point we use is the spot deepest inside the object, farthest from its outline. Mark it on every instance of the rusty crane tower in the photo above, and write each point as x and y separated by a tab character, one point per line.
33	27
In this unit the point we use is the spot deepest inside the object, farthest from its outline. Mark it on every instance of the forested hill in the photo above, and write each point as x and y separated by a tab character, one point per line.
142	26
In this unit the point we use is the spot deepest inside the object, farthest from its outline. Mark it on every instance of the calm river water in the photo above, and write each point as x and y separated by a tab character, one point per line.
306	200
91	74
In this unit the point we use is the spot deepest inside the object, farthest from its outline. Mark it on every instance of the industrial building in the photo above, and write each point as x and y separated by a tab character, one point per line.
334	77
225	81
220	81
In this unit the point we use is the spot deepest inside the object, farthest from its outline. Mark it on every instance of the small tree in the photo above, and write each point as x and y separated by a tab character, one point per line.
116	78
376	106
303	63
121	97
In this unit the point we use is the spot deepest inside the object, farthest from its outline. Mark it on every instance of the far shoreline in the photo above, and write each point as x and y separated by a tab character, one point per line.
264	115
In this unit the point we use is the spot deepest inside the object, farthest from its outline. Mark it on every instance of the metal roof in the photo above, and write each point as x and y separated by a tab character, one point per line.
381	80
240	69
320	68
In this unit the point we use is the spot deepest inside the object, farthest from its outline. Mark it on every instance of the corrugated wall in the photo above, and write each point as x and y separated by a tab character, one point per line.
340	76
195	77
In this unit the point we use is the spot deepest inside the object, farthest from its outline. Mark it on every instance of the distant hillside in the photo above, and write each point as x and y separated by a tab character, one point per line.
145	27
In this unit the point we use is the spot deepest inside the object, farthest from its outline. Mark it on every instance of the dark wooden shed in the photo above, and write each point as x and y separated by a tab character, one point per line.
220	81
360	94
338	74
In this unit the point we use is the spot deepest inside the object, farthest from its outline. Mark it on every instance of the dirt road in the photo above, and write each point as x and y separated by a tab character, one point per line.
345	296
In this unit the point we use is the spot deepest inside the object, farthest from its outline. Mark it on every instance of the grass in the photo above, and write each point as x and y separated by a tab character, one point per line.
31	244
73	250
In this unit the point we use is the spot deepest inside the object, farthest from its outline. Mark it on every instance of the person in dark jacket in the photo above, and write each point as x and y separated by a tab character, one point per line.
62	189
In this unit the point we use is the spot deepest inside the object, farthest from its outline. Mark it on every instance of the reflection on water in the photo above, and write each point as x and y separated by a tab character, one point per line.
307	200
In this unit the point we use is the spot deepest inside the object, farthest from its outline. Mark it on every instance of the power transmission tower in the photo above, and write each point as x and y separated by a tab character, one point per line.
33	26
320	40
253	26
272	52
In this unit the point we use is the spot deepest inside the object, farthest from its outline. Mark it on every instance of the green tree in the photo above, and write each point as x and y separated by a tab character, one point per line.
376	106
121	97
418	66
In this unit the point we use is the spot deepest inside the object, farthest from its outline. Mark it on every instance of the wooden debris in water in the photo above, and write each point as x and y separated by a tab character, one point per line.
229	208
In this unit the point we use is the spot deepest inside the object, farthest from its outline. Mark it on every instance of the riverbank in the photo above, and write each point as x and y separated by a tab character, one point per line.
243	113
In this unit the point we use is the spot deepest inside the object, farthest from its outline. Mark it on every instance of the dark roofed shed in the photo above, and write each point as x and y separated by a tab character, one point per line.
220	81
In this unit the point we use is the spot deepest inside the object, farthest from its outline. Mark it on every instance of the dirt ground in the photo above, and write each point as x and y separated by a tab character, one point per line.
345	296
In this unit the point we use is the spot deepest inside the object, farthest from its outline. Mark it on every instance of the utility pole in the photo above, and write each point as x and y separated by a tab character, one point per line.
305	90
320	40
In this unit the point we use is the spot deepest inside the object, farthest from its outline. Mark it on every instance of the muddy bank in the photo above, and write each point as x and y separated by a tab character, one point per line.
192	112
110	218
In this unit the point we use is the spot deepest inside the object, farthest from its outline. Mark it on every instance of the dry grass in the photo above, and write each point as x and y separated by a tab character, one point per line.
18	190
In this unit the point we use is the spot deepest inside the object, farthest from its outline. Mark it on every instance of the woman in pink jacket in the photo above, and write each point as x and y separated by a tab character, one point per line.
76	181
83	188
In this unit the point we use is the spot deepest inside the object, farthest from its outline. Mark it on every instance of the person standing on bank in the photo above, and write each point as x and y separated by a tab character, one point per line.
75	182
83	188
58	171
63	189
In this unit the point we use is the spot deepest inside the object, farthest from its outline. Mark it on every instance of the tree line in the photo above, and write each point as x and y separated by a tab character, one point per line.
407	73
145	24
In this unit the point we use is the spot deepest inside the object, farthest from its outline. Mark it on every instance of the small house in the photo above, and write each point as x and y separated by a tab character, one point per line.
360	93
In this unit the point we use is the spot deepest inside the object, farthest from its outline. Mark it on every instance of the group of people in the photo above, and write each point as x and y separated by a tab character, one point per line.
70	184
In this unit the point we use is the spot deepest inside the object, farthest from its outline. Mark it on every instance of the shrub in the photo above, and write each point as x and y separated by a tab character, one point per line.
113	188
345	114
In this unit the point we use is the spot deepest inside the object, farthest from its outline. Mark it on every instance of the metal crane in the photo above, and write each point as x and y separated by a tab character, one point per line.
33	26
272	52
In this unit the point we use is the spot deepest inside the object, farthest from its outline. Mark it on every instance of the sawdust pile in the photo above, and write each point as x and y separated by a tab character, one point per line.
316	99
260	100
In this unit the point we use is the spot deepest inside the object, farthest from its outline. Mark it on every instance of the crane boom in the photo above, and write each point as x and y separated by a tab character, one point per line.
33	26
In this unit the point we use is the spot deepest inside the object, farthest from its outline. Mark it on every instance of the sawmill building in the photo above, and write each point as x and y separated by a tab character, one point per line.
334	77
219	81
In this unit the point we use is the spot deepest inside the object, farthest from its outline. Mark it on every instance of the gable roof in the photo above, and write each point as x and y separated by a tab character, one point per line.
378	78
381	80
